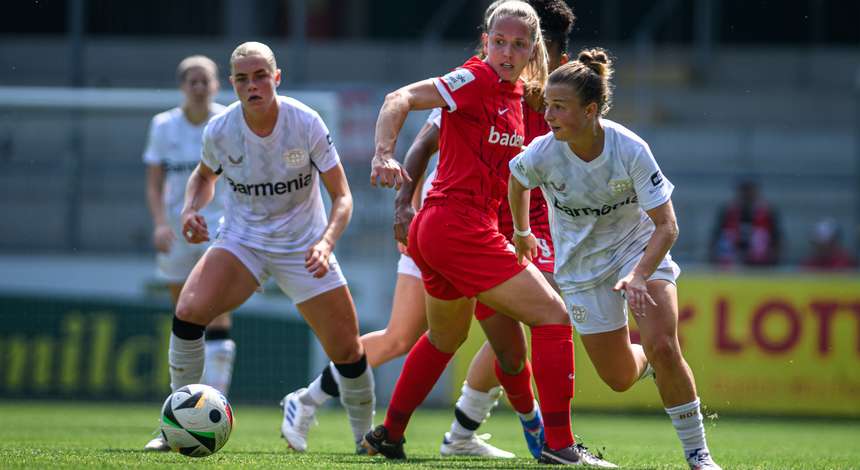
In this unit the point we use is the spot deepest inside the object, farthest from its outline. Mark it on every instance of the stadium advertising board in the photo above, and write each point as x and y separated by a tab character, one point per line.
768	344
117	350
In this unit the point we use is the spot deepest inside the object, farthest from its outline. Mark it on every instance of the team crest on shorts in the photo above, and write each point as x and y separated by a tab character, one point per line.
620	186
578	312
296	158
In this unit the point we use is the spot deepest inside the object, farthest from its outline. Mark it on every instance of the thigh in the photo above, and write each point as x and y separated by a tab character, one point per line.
610	351
220	282
660	321
448	322
408	319
332	317
506	337
527	297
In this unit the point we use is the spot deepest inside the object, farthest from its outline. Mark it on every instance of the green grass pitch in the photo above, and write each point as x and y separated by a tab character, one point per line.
94	435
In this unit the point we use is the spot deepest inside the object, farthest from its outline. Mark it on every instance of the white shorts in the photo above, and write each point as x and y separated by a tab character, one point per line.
175	265
287	269
600	309
405	265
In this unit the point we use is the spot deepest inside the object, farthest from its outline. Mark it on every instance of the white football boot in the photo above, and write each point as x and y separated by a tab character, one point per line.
298	418
700	459
157	444
476	446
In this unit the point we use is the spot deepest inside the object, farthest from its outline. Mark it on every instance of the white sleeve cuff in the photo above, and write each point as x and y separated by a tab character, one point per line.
452	105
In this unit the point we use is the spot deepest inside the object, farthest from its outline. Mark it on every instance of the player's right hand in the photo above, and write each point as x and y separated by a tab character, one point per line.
387	172
162	238
194	227
403	215
526	247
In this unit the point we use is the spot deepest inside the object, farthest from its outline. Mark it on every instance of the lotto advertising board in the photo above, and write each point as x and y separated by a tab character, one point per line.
57	348
761	344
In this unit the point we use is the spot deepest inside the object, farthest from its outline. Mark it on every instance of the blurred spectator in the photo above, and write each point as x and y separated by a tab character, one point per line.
827	250
747	231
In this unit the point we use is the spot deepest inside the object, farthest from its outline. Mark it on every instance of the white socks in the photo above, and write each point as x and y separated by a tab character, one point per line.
358	397
186	358
314	395
472	408
218	371
687	420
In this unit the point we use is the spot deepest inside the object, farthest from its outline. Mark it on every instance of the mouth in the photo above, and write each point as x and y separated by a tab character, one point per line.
555	129
254	98
507	66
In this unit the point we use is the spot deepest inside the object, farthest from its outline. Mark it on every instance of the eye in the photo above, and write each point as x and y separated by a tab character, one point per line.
500	42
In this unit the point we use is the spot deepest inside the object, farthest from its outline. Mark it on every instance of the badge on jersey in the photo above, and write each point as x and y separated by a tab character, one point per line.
457	78
296	158
620	186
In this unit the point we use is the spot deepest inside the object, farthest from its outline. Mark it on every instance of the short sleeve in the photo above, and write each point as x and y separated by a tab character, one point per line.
435	118
208	156
321	148
461	88
154	154
523	168
652	188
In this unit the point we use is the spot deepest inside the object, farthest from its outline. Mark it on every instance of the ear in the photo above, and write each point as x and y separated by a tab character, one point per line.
277	78
591	110
564	59
485	38
230	78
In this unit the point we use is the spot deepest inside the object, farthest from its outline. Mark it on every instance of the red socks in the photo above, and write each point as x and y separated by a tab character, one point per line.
423	367
552	352
518	387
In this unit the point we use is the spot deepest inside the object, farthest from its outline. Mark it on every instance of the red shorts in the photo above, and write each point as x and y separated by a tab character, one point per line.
459	250
539	222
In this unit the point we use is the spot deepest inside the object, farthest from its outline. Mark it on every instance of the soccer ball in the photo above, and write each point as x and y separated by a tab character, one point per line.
196	420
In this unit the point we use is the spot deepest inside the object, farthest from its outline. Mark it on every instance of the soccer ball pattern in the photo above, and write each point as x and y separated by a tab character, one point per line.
196	420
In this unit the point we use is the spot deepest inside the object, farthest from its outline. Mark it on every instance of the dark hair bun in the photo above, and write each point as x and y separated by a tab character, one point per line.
597	60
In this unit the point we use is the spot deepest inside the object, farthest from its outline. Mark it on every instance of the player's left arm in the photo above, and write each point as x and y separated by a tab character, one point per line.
317	256
634	284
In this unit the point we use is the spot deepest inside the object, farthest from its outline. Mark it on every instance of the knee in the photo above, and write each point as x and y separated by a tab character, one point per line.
619	383
447	341
663	350
555	313
400	346
511	361
186	312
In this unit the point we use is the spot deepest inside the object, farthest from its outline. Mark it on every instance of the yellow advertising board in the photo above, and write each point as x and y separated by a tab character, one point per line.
768	344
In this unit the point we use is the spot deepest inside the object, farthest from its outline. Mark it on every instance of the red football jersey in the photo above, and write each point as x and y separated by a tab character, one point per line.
535	126
481	132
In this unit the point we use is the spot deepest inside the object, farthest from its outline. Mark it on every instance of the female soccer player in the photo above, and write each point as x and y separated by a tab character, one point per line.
480	390
172	152
273	151
454	239
613	225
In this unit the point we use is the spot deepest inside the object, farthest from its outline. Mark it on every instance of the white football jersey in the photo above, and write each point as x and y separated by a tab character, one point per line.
274	201
597	218
175	144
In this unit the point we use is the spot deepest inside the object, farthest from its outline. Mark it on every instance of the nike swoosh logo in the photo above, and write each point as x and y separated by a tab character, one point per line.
503	111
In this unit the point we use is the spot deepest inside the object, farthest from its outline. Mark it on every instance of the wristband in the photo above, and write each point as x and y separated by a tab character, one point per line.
522	233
